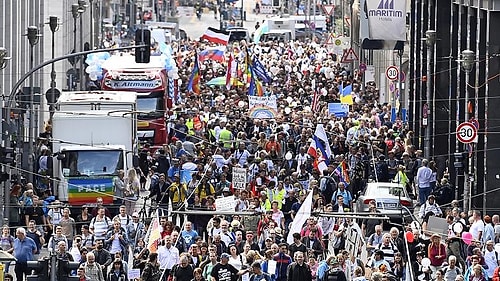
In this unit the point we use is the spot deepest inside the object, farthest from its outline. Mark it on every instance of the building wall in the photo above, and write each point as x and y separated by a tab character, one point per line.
460	27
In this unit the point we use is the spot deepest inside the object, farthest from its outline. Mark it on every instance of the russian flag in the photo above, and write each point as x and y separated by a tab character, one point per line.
319	149
213	53
216	36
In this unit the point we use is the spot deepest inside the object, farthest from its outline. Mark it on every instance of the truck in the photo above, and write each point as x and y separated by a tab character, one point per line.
279	29
94	135
150	82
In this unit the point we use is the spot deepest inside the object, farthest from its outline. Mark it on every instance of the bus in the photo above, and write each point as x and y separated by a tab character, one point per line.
150	81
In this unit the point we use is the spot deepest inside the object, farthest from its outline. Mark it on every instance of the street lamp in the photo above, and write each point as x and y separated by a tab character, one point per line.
75	12
53	93
82	6
467	62
430	41
33	39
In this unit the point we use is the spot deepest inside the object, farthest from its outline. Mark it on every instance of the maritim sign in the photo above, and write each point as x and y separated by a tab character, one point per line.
386	19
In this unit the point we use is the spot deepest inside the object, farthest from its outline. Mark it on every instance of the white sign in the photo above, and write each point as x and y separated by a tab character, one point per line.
131	84
225	204
386	19
466	132
269	101
239	178
134	274
392	73
354	239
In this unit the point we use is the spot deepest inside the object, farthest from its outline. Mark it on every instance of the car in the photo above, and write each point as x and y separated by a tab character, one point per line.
236	34
391	199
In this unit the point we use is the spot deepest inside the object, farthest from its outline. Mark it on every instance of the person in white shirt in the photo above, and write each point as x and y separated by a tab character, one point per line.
490	258
168	255
123	217
477	227
429	208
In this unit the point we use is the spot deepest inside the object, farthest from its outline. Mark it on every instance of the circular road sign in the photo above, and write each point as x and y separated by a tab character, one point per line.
392	73
362	67
466	132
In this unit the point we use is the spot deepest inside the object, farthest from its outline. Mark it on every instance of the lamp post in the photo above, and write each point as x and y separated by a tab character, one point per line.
4	59
430	40
400	84
33	38
91	10
467	62
53	93
82	6
75	13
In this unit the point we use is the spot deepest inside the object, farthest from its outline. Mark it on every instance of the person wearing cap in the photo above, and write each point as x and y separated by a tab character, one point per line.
436	252
377	260
135	229
490	258
223	271
429	208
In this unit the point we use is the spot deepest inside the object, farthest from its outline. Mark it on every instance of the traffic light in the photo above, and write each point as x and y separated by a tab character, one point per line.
7	155
329	23
40	270
66	269
143	37
461	160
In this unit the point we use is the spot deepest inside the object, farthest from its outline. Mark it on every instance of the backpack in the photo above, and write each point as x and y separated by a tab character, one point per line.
332	275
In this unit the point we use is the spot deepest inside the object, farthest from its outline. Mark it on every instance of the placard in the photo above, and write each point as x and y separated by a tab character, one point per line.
239	178
225	204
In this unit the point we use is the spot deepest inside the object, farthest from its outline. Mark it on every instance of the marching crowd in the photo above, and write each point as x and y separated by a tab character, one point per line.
210	134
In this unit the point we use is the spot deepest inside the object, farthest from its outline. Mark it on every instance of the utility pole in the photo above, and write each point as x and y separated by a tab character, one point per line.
467	62
430	40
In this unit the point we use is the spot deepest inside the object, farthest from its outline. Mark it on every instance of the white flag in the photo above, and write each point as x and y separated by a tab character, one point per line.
301	217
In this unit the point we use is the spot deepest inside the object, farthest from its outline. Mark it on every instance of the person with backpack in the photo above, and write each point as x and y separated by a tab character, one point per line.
451	271
100	224
333	273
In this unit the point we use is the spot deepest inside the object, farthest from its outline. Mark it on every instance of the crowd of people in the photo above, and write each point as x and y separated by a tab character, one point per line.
210	134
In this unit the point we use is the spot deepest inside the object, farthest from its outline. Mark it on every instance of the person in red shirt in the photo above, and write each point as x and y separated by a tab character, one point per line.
436	252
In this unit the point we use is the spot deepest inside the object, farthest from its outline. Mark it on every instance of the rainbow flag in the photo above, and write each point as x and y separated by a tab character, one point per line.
154	234
194	79
342	173
255	88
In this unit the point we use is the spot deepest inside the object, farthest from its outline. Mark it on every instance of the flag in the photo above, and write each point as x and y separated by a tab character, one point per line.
216	36
341	172
255	88
260	70
319	149
345	94
260	31
301	217
231	71
194	79
154	235
213	53
315	98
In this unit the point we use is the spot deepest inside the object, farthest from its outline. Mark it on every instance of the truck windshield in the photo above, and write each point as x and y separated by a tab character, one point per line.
150	106
92	163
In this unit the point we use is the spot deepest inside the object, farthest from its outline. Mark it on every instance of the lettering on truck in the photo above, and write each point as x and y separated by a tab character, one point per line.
92	188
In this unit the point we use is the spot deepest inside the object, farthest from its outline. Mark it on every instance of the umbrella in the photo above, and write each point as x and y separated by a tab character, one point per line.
221	81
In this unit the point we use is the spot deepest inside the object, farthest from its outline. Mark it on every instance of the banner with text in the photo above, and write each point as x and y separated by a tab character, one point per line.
262	107
386	19
226	204
239	178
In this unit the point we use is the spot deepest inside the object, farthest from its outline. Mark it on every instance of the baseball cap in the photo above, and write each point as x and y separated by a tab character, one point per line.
224	256
135	214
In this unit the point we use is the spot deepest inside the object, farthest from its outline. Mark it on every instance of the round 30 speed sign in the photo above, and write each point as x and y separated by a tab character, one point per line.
466	132
392	73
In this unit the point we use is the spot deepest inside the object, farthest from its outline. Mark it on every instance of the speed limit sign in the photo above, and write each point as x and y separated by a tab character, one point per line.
466	132
392	73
